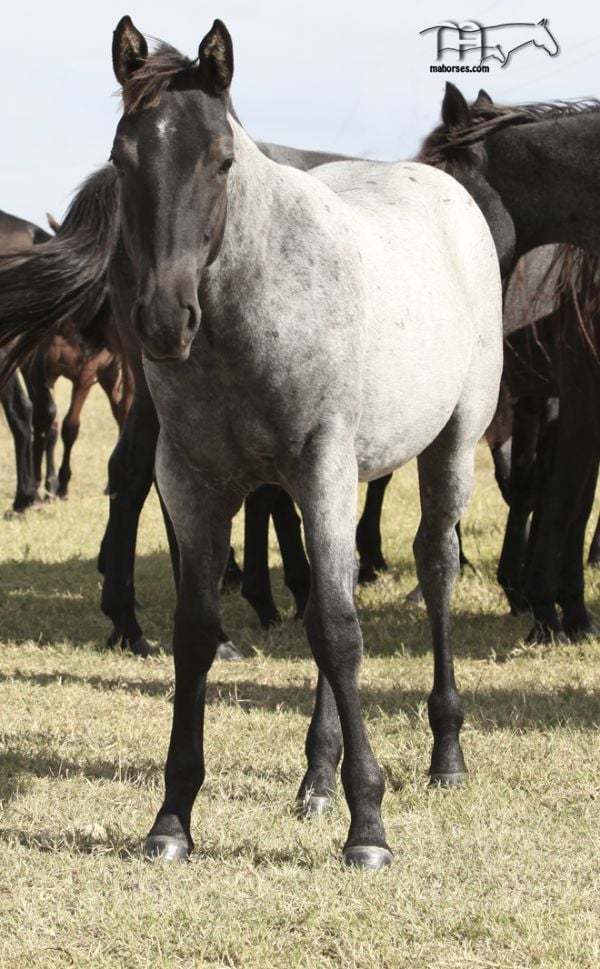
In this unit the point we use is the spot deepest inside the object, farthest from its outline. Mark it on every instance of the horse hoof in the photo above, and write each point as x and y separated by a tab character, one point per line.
313	806
543	636
415	597
449	779
580	635
367	857
114	639
141	647
229	653
165	848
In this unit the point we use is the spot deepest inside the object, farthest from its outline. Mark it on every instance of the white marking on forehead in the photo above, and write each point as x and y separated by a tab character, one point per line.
164	129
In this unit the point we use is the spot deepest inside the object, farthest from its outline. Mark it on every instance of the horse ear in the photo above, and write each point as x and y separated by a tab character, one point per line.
129	49
455	110
482	98
52	222
543	22
216	58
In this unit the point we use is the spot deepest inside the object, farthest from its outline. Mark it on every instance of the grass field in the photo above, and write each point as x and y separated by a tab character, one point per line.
503	873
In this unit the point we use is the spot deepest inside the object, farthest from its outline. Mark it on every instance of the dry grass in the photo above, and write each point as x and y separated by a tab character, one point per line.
501	874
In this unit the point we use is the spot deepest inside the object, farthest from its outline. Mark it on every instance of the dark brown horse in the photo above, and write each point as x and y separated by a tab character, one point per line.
62	355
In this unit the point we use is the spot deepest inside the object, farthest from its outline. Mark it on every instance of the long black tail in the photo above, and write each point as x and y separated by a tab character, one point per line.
64	277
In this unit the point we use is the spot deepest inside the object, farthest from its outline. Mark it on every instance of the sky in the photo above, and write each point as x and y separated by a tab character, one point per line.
349	77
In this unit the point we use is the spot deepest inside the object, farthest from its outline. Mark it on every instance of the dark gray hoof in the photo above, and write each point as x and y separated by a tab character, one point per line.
451	779
415	596
580	635
166	848
230	653
367	857
313	806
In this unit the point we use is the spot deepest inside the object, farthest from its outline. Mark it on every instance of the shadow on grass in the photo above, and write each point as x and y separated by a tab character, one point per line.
488	709
53	603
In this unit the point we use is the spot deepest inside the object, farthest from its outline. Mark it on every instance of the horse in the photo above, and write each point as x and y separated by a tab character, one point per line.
488	148
559	358
16	235
131	469
61	354
281	314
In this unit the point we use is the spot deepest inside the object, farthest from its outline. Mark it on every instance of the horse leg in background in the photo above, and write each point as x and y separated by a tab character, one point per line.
594	553
528	418
115	379
202	524
226	650
70	427
45	430
130	474
19	410
271	500
368	532
256	583
233	575
327	495
557	511
576	619
288	528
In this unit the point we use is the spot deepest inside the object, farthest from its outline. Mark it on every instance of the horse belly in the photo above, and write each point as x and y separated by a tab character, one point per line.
413	381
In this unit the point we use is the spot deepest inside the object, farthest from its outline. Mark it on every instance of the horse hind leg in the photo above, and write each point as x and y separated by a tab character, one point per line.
19	410
445	482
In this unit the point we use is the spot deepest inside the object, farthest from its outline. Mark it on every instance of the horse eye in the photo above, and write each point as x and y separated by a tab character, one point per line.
225	165
114	163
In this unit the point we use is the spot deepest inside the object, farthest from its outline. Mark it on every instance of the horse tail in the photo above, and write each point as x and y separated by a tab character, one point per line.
65	276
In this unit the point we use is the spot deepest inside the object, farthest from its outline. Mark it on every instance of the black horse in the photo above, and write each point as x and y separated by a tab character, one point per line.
18	235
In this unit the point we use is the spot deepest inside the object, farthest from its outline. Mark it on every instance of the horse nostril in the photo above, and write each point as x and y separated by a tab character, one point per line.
193	319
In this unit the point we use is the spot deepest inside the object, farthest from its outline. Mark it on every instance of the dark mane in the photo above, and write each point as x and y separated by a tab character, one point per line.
158	72
488	118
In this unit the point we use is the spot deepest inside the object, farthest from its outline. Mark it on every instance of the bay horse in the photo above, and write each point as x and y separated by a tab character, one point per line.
62	354
281	315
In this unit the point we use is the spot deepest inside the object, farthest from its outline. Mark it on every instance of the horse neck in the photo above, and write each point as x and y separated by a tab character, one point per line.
548	176
256	211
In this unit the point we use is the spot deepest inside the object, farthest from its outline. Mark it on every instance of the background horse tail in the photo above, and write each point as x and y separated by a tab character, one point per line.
66	276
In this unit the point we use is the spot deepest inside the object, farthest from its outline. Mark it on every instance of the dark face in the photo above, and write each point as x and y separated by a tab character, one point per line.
172	161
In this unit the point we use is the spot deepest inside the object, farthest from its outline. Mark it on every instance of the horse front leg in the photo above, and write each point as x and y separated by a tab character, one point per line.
44	425
70	431
327	494
202	525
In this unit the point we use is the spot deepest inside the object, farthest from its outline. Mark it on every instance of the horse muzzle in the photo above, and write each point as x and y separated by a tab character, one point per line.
166	331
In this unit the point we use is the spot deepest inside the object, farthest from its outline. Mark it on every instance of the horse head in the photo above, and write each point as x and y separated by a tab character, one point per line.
172	150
